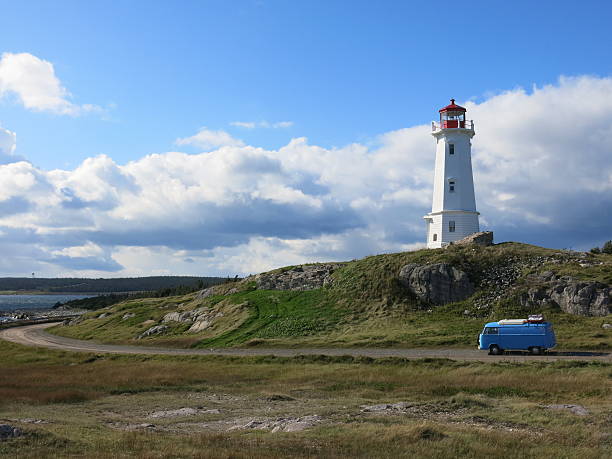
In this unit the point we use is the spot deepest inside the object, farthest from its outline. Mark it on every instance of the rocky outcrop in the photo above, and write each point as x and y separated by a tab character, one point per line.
576	409
304	277
283	424
483	238
571	295
436	284
156	330
182	412
201	318
210	291
180	316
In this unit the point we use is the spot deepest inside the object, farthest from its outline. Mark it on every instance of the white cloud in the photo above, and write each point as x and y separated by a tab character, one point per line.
208	139
8	141
82	251
33	81
262	124
244	124
542	175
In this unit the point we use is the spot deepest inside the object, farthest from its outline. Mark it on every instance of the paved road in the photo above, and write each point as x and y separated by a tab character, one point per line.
35	335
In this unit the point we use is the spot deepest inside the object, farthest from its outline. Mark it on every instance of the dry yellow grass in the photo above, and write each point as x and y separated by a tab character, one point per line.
459	409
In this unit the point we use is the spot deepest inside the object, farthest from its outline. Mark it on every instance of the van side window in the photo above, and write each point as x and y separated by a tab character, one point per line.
491	331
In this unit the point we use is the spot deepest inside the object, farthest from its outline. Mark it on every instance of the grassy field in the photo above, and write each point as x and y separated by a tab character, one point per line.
364	306
87	405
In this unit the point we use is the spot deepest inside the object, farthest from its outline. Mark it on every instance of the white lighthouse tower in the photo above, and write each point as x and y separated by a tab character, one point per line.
453	213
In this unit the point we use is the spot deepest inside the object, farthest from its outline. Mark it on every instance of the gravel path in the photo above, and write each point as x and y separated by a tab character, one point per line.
35	335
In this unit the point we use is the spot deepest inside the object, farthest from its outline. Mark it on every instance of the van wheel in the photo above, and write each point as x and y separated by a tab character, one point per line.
495	350
536	350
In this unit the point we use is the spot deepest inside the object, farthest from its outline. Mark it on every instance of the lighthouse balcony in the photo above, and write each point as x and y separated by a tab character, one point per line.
452	124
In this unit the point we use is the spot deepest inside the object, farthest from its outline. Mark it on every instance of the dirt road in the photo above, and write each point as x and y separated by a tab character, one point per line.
35	335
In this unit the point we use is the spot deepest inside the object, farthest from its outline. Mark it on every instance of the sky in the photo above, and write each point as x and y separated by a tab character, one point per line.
221	138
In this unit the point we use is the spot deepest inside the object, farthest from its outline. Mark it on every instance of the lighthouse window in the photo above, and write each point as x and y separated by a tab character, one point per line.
451	149
451	226
451	187
435	237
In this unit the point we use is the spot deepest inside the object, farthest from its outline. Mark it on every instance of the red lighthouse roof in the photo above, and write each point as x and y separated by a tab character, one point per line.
452	107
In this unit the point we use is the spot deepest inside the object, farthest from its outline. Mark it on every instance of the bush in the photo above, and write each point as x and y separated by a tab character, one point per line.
595	250
607	247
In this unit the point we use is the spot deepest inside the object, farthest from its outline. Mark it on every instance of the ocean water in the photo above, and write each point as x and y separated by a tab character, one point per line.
24	302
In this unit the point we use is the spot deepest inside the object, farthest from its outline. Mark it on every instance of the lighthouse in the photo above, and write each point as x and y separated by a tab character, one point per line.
453	213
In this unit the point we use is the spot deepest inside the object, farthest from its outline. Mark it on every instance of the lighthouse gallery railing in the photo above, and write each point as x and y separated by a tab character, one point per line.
452	124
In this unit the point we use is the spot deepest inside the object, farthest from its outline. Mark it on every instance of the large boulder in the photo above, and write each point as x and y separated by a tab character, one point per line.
571	295
436	284
7	431
583	298
483	238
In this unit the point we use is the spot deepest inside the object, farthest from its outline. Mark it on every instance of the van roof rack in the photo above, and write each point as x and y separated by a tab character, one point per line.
535	318
512	321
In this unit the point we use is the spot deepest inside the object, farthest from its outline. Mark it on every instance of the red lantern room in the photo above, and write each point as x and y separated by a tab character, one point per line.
453	117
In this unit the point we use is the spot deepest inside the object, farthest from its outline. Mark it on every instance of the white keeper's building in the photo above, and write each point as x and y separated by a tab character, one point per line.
453	213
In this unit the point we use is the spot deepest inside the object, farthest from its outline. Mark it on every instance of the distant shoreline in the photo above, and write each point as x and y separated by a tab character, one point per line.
38	292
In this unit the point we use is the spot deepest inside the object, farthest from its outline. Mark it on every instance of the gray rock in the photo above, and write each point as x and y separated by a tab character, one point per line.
300	278
210	291
155	330
437	284
178	316
181	412
199	325
283	424
582	298
483	238
607	326
572	296
201	318
33	421
376	408
128	315
103	315
578	410
385	407
8	431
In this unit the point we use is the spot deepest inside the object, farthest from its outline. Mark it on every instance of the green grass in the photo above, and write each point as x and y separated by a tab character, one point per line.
279	314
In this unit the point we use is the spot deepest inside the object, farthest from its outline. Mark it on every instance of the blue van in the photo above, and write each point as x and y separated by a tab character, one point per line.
532	335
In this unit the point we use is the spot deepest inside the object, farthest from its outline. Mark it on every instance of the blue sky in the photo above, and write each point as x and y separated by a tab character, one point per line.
341	71
347	76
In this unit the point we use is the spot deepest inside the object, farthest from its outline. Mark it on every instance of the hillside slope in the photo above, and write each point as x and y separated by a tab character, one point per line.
366	303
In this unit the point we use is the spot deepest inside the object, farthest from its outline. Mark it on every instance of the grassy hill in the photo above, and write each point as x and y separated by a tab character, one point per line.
363	305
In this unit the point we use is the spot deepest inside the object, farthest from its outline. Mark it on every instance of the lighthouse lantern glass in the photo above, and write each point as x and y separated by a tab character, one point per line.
452	119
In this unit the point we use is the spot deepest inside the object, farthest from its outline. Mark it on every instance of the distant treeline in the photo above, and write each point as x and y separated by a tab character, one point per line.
123	284
102	301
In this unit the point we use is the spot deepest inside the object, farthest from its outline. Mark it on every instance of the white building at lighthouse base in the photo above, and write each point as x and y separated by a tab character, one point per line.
440	225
